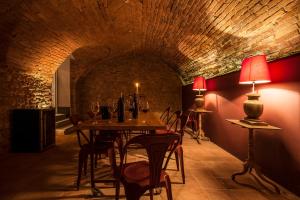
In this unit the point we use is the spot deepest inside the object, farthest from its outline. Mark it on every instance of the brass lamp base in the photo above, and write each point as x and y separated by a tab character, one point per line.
253	107
199	101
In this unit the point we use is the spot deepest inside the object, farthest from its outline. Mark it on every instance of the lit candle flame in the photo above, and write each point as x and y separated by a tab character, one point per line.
137	87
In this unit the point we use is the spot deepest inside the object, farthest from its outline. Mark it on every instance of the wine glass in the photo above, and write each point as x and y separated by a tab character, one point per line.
113	108
146	108
129	103
95	109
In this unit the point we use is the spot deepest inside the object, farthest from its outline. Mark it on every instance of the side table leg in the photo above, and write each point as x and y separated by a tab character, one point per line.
197	136
262	177
246	168
196	131
201	134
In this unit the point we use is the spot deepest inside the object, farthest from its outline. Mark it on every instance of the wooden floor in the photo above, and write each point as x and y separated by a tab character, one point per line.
51	175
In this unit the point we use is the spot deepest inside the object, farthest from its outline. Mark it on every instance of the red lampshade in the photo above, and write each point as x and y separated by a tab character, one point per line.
255	70
199	83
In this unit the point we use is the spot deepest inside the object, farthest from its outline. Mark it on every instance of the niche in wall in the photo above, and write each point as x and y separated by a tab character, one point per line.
158	82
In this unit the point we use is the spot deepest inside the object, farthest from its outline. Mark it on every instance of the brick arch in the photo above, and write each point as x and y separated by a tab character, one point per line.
183	33
208	38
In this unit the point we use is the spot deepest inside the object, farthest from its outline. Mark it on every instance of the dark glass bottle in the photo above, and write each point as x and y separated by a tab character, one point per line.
135	112
121	109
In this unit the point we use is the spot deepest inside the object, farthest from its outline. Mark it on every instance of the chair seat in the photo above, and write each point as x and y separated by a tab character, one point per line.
138	173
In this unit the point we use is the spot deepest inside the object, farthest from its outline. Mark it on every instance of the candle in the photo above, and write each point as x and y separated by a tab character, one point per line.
137	87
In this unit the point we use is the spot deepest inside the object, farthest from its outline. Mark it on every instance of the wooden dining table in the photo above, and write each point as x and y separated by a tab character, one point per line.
148	122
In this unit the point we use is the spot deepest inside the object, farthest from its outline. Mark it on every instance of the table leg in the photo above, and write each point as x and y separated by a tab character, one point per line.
262	177
92	161
94	190
250	160
196	136
201	133
246	169
250	163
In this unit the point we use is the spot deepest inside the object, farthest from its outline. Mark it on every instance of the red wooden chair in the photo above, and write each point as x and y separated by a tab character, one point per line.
140	176
107	136
172	123
181	122
87	149
165	115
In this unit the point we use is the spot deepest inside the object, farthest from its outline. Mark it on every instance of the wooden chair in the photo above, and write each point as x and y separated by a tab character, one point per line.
107	136
87	149
140	176
165	115
192	122
172	123
181	119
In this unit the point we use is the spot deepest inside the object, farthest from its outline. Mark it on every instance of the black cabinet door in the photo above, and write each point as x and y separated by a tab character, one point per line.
32	130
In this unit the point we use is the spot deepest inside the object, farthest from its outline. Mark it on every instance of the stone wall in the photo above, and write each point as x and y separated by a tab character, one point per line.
19	90
158	82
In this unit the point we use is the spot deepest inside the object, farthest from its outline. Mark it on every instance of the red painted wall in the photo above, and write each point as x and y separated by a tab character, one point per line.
277	152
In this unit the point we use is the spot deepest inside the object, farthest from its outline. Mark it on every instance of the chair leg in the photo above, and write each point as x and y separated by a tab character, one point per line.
176	159
96	158
151	193
168	187
80	163
180	155
132	192
120	145
117	184
85	161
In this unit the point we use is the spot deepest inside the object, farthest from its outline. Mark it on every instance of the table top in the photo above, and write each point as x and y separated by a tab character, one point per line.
238	122
145	121
200	110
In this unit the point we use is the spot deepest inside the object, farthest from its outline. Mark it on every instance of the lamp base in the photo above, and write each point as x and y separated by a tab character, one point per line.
253	108
199	101
253	122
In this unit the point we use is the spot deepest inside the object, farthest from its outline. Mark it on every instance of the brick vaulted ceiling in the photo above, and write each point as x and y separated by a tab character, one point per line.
194	37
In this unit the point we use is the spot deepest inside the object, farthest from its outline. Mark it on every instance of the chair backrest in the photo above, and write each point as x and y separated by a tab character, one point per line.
174	121
156	146
191	121
75	119
184	118
165	115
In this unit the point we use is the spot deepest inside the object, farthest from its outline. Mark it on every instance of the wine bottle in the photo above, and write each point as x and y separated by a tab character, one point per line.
135	112
121	109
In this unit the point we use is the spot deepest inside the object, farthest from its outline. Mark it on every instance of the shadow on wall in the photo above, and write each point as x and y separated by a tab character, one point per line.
278	162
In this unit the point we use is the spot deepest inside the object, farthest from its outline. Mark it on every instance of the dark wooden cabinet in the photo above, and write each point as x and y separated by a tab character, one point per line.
32	130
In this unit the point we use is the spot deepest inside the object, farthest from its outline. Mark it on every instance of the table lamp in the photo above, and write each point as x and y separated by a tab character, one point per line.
199	85
254	71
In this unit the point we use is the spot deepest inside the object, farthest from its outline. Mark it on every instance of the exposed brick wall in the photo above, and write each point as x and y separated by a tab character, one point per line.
158	82
19	90
206	38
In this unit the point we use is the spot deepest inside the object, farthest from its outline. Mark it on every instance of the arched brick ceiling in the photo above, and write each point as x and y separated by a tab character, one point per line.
208	38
